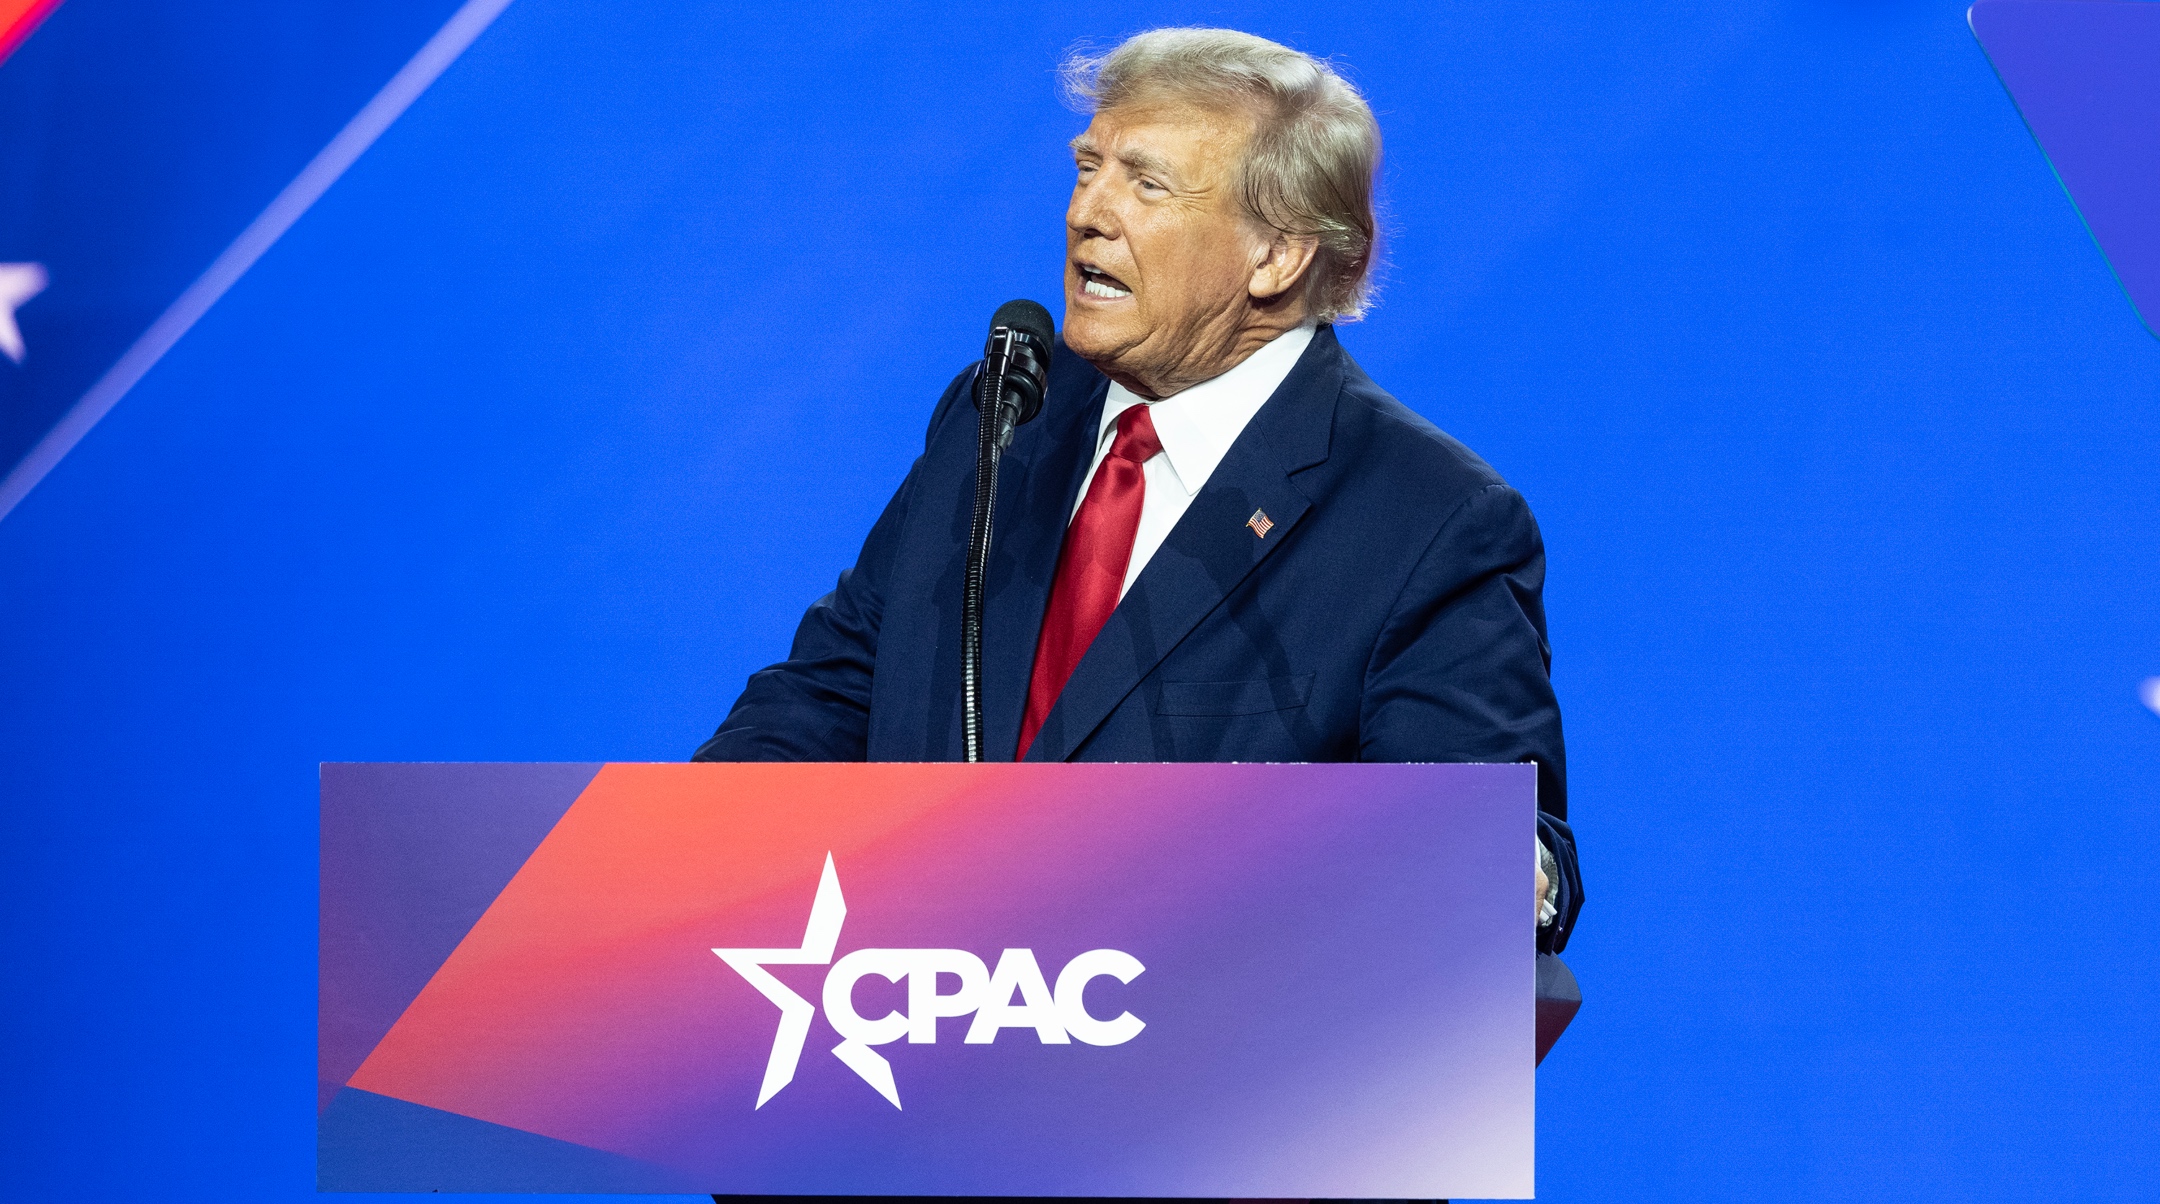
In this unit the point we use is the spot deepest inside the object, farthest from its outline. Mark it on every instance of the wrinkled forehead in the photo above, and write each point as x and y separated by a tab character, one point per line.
1174	135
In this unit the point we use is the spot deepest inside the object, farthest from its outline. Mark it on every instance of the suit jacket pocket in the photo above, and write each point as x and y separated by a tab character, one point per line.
1234	697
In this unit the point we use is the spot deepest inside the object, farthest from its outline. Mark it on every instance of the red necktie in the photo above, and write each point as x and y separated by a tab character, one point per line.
1091	566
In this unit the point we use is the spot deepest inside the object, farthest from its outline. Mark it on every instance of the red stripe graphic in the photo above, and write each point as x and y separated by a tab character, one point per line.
18	18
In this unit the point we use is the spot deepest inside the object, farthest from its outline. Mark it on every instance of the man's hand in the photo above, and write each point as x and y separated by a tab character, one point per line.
1544	886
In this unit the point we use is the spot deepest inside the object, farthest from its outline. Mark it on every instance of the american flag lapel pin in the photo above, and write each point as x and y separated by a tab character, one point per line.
1260	523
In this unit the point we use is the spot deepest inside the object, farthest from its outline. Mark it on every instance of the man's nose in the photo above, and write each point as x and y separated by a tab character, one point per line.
1091	215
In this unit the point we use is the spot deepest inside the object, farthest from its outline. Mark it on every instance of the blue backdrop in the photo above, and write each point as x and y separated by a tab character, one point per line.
535	436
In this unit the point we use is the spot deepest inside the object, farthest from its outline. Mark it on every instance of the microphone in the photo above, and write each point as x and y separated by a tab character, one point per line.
1016	361
1008	392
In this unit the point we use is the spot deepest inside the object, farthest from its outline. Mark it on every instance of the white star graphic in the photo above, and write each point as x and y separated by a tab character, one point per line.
18	283
820	937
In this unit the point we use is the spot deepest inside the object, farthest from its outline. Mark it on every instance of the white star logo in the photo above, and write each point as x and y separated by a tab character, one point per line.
820	937
18	283
1059	1017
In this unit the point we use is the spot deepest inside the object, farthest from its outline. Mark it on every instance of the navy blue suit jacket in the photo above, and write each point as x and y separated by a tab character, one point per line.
1392	613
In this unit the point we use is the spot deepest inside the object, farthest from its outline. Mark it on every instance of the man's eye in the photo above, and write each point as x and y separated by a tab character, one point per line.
1147	185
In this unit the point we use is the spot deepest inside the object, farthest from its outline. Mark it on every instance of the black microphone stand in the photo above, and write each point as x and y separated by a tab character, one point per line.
993	432
1008	392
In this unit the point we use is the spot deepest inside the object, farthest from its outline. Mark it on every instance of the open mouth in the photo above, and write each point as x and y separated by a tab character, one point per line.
1097	283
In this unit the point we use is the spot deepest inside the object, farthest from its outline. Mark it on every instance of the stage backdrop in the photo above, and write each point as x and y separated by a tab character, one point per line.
533	436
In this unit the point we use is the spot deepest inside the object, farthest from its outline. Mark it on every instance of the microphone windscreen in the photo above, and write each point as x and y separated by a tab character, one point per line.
1027	317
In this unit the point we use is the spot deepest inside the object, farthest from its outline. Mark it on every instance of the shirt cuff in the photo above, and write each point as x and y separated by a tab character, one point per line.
1548	908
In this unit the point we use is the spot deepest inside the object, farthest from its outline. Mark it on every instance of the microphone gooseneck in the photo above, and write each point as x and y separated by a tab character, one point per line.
1008	392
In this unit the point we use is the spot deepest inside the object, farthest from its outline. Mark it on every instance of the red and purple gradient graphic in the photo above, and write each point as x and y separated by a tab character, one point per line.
1337	992
19	19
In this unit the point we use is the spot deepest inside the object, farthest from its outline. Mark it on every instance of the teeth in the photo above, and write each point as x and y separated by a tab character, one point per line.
1097	288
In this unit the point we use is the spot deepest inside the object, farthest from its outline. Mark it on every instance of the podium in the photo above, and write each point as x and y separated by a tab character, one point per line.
1304	981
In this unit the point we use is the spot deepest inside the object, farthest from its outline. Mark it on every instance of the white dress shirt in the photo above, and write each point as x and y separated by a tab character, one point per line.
1197	427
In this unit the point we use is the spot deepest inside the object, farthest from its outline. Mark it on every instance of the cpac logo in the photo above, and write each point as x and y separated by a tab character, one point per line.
1057	1015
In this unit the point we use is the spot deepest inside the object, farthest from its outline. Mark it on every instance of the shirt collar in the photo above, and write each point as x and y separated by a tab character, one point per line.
1198	425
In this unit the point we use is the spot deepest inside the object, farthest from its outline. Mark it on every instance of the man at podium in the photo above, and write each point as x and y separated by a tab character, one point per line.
1229	544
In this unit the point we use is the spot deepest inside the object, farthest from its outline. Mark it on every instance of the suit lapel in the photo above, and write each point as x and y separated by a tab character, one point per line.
1208	553
1037	484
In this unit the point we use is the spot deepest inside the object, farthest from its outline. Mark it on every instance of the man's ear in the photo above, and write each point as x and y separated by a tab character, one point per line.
1283	265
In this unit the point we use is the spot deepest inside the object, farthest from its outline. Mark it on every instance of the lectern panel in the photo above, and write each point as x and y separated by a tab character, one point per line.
1092	980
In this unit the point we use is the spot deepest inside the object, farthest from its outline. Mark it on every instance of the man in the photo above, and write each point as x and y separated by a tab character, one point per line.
1220	541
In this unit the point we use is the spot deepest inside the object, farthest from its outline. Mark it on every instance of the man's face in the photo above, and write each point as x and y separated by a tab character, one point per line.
1159	256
